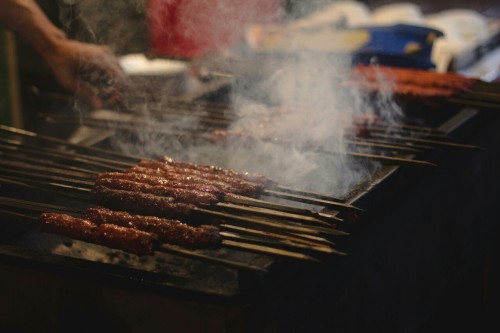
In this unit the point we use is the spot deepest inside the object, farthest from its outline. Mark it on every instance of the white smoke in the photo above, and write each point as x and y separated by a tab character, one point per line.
300	140
292	122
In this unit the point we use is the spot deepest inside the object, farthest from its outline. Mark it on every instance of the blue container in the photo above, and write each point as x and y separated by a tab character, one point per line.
398	45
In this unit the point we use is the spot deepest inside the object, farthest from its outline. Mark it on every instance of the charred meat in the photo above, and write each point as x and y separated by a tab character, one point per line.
168	231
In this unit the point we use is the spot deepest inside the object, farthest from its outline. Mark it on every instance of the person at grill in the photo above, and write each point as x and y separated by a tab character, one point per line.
90	71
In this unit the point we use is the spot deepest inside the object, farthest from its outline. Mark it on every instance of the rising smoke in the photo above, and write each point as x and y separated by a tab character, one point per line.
292	120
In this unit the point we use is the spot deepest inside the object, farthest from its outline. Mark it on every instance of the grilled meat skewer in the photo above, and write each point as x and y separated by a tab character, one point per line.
169	231
127	239
155	180
179	194
141	203
242	186
198	180
254	178
414	77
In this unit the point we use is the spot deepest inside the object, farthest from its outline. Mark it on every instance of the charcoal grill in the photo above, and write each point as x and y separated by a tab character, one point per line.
401	229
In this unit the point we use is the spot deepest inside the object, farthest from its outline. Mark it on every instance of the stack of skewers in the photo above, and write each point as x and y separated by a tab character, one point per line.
144	206
367	137
429	88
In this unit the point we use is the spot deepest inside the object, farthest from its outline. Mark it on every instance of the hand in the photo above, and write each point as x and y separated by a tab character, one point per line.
90	71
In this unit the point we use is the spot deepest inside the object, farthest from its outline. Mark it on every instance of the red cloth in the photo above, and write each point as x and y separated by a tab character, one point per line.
190	28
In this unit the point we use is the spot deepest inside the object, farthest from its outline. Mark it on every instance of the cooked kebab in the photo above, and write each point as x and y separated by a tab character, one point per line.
169	231
255	178
413	77
126	239
404	89
110	235
197	180
70	226
179	194
141	203
244	187
411	86
154	180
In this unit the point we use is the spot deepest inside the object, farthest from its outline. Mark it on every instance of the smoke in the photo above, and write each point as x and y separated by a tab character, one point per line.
292	120
119	24
300	139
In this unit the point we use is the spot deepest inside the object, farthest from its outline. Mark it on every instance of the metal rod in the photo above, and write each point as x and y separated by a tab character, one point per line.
492	97
48	187
268	250
276	243
281	188
310	200
270	213
474	103
403	144
381	146
172	249
16	215
296	238
66	155
392	160
22	158
247	201
45	177
35	206
273	225
47	170
409	127
409	133
95	150
427	141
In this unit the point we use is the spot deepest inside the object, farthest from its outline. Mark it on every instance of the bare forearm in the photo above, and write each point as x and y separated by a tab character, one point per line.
67	58
26	19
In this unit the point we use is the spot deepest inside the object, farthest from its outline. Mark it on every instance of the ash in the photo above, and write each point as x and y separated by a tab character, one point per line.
171	270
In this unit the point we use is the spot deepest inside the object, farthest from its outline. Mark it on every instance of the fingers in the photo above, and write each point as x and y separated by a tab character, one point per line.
90	71
88	95
103	76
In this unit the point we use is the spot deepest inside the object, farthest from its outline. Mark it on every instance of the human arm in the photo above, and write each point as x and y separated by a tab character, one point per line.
90	71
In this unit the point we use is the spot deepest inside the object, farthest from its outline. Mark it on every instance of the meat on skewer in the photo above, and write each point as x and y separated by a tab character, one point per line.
68	225
403	89
196	181
180	195
413	77
141	203
255	178
151	179
242	186
126	239
168	231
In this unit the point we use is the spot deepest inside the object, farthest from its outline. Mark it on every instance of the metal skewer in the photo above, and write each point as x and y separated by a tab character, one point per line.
296	238
310	200
277	243
267	250
427	141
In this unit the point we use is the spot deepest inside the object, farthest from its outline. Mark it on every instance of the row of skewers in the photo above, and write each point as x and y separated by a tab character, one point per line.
170	191
367	138
158	198
424	87
153	198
